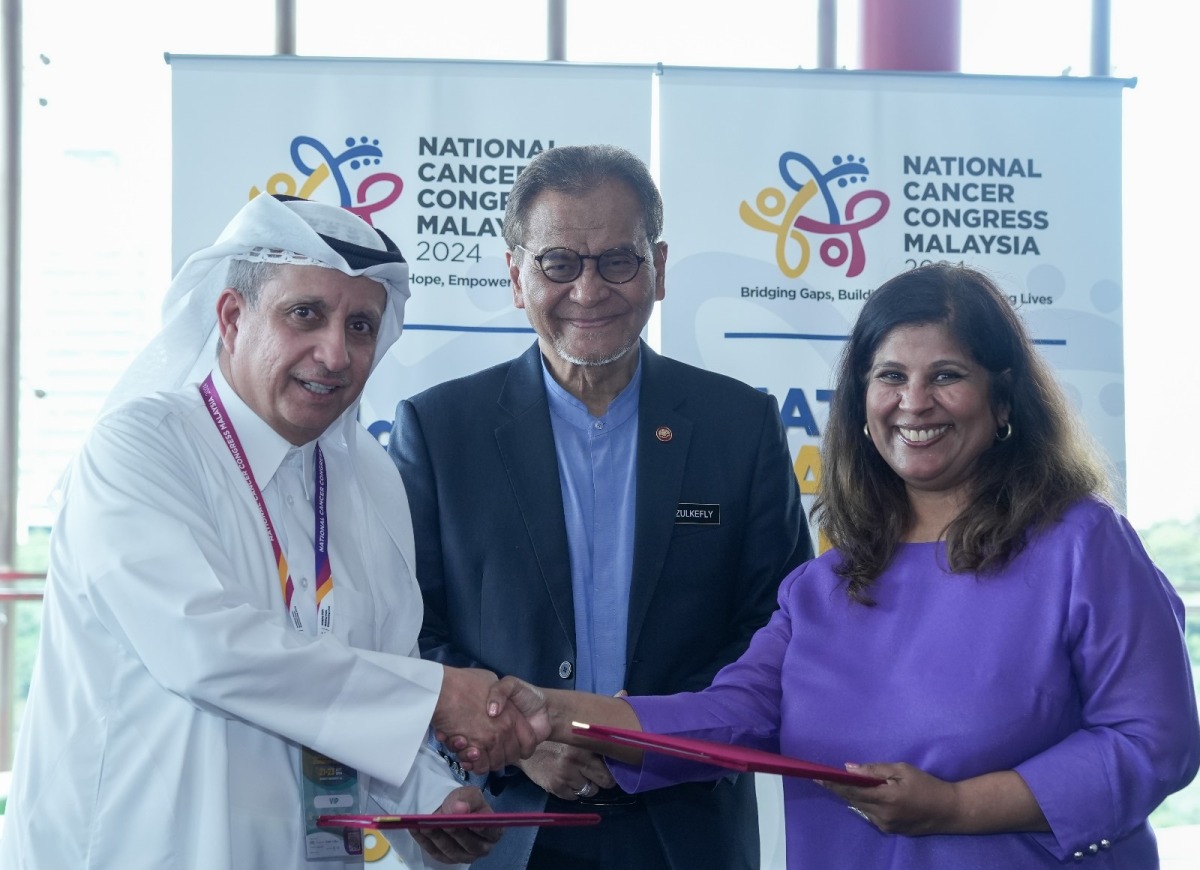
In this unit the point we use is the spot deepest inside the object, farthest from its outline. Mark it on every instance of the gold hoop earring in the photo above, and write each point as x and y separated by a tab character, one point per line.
1005	433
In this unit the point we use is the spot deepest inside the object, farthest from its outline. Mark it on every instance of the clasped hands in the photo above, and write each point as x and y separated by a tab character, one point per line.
472	718
567	772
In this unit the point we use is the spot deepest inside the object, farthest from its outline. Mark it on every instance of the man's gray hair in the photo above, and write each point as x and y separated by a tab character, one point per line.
248	277
576	170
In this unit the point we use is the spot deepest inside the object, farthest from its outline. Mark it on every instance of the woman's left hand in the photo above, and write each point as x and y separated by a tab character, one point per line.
915	803
910	802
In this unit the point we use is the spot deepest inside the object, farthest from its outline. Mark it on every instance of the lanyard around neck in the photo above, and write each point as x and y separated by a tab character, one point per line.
220	418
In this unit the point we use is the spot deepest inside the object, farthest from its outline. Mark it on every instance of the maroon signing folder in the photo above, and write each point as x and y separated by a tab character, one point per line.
722	754
460	820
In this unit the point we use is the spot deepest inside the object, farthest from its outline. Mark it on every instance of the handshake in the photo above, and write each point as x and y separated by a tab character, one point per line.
490	723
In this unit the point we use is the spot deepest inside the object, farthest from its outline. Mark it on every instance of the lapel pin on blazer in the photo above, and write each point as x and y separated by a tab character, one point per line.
664	434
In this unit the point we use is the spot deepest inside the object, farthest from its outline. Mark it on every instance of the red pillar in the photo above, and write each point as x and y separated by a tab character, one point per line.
921	35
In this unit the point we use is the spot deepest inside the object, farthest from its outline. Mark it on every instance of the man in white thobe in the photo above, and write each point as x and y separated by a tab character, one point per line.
231	601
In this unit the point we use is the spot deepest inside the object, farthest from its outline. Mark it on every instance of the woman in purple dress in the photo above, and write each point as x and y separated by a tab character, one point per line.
987	634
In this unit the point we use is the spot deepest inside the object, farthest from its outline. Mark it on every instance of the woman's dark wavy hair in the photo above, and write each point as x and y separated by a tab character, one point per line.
1021	483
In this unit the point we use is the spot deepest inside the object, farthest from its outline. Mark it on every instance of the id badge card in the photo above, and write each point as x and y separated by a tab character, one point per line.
329	787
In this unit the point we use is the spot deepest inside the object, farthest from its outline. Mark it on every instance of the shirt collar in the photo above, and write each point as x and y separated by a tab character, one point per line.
264	448
575	412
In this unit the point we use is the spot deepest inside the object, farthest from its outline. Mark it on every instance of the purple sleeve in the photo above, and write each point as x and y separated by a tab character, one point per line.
1139	738
741	707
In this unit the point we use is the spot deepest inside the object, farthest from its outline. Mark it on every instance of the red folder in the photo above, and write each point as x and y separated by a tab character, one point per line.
460	820
722	754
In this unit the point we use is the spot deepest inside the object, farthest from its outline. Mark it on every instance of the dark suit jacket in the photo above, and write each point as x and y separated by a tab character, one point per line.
478	460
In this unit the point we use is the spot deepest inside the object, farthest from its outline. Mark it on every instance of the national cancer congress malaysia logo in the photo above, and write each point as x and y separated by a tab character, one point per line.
792	220
316	164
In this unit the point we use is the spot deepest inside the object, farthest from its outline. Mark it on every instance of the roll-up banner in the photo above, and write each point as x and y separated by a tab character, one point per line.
791	195
425	150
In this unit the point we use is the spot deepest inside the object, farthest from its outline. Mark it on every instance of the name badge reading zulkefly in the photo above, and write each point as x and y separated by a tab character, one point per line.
698	514
329	787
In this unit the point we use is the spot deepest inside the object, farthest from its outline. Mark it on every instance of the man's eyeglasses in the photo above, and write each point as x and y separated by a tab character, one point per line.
562	265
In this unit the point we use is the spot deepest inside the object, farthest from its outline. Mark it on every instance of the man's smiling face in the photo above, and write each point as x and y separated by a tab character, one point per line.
301	355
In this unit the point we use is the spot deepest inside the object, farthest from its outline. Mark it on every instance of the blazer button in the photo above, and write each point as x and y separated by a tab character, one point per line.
564	670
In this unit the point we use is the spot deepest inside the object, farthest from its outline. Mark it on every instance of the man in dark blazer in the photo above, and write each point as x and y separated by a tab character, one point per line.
593	515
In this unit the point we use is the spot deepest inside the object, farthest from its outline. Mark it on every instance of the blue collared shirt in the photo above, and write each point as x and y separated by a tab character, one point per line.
597	462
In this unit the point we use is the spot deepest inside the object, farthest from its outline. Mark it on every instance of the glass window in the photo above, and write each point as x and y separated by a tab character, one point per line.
96	203
97	177
455	29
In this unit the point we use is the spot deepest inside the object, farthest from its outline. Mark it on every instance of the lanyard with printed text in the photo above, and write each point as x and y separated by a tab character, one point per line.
216	410
325	784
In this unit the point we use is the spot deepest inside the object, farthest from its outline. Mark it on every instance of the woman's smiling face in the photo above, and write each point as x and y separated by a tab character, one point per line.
929	408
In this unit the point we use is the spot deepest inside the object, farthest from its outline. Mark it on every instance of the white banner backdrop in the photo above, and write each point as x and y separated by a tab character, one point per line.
790	195
425	150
